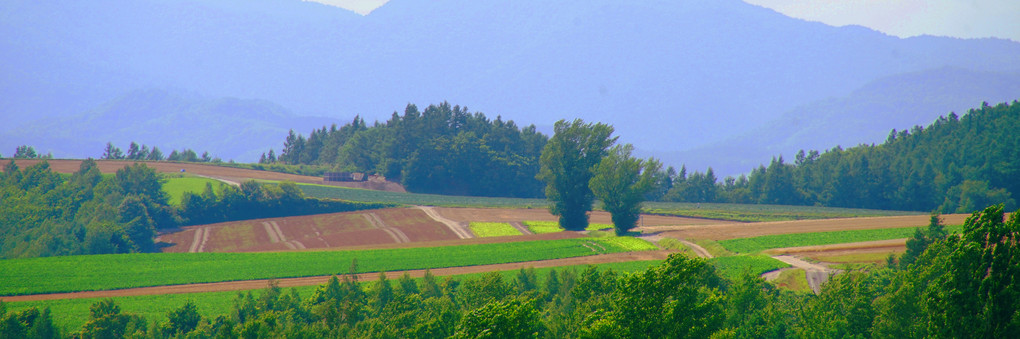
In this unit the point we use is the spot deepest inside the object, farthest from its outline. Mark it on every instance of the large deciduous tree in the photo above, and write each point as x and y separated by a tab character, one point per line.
567	163
621	182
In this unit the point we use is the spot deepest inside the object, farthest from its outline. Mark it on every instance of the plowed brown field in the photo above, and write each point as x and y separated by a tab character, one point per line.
335	230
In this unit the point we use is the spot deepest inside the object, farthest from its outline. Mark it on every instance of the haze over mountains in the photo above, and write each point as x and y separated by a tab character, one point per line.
708	83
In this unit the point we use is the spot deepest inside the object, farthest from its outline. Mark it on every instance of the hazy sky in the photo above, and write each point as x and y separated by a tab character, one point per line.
906	18
902	18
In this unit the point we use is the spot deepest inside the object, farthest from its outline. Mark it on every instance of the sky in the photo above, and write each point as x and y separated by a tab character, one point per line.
907	18
902	18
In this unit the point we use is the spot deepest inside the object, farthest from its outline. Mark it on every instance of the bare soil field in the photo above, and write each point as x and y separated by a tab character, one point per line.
319	280
211	171
747	230
335	230
820	253
542	214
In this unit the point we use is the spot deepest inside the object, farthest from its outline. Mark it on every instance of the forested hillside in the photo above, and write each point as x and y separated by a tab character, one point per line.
444	149
956	164
44	213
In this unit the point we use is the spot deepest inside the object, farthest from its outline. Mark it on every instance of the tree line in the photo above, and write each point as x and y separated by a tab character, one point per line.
955	165
444	150
960	285
142	152
43	213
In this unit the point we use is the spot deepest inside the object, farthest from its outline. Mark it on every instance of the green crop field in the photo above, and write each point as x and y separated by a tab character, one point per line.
756	213
102	272
542	227
758	244
735	266
176	185
493	229
71	314
354	194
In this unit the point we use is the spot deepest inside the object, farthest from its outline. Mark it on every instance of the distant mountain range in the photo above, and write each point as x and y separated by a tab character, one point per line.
687	81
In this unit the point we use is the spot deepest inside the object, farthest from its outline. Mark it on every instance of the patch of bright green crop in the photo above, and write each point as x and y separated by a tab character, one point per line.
493	229
734	267
630	243
757	244
542	227
115	271
175	187
758	213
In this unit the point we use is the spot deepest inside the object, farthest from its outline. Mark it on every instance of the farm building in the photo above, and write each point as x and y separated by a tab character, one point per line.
344	176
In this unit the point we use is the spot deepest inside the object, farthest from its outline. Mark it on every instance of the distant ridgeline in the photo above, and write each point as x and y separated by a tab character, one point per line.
957	164
443	150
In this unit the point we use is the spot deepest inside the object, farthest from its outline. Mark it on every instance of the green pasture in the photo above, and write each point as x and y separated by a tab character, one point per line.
71	314
176	185
758	244
355	194
541	227
115	271
759	213
493	229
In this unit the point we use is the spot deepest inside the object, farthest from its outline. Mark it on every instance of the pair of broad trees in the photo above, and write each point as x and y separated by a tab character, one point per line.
580	163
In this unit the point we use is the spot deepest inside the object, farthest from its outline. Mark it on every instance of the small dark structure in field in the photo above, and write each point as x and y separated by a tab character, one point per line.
344	176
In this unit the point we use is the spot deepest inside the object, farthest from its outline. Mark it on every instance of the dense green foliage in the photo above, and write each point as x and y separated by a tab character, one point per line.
568	161
955	165
621	183
442	150
43	213
80	273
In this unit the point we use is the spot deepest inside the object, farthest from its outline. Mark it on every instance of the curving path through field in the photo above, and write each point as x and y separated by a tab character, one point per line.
461	230
318	280
816	273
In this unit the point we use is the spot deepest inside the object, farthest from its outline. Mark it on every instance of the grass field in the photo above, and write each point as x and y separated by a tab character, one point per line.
757	213
355	194
70	314
793	280
735	266
176	185
103	272
493	229
540	227
758	244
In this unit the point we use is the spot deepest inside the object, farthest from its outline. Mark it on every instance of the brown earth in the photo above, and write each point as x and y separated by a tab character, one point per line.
335	230
211	171
319	280
542	214
747	230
